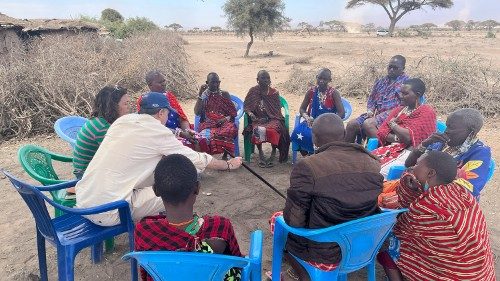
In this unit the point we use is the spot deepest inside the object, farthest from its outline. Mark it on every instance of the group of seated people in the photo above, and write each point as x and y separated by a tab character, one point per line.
153	160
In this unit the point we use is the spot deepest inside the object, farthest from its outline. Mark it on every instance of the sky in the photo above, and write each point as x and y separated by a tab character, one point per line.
207	13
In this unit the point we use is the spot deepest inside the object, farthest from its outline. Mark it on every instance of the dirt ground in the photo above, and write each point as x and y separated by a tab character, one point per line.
237	195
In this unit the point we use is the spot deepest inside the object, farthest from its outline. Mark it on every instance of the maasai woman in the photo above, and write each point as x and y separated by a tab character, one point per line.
443	236
217	113
406	126
267	124
176	182
318	100
460	141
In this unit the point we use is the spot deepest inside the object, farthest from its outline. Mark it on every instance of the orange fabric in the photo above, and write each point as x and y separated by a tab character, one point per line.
389	193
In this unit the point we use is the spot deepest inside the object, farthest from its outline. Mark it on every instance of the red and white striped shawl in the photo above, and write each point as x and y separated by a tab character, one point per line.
444	237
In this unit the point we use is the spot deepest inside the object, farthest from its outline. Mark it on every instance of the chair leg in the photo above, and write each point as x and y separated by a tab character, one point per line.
133	262
66	264
109	245
371	271
96	252
42	258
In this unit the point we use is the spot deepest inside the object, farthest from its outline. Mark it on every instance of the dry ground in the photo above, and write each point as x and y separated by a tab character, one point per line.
237	195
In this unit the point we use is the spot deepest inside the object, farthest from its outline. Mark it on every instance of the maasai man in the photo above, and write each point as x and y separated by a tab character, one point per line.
383	98
318	100
267	124
181	229
177	119
217	113
406	126
443	236
337	184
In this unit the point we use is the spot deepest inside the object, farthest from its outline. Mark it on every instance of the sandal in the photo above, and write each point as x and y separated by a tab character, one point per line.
262	164
269	165
269	275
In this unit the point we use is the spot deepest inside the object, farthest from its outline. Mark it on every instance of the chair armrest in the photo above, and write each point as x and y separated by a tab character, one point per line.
395	172
60	157
255	249
116	205
58	186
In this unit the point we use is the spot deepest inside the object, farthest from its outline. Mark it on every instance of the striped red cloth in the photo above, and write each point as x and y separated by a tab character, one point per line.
444	236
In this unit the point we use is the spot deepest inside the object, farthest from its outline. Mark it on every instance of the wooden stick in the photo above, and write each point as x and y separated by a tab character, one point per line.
258	176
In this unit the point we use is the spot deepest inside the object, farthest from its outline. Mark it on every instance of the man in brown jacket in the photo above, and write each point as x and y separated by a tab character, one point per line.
339	183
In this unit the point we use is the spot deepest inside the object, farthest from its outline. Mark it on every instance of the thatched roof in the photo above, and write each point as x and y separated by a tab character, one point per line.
47	24
8	22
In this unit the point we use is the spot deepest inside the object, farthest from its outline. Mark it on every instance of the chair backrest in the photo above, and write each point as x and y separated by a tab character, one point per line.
238	103
68	127
492	170
359	240
35	201
173	266
440	126
347	108
36	161
284	105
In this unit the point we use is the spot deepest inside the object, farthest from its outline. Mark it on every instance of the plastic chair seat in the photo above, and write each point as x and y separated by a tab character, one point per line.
73	229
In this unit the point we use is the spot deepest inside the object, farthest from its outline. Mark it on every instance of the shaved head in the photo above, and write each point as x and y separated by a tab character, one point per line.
328	127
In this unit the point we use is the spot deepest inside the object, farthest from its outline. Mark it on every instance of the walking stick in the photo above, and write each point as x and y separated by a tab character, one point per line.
258	176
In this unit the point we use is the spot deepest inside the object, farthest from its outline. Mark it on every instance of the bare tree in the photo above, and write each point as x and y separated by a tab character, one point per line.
396	9
255	17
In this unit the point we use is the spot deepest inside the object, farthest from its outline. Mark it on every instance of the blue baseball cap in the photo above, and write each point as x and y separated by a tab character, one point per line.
155	100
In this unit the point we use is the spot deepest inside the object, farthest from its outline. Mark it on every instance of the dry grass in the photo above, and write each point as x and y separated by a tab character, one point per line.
58	76
464	80
299	60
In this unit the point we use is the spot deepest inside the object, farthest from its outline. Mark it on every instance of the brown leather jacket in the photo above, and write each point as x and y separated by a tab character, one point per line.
339	183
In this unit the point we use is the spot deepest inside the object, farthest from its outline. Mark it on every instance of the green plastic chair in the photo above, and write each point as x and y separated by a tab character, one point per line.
37	162
248	146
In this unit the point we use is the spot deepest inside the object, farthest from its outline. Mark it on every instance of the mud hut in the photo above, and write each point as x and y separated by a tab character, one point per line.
10	34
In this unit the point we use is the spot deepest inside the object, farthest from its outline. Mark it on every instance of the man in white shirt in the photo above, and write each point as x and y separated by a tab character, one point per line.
122	168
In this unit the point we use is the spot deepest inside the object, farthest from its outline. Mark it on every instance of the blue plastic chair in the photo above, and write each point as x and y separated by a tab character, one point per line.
67	128
373	143
239	112
396	171
177	266
348	112
71	232
359	241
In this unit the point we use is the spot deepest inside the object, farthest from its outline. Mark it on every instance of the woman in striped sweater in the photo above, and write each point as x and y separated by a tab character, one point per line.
110	103
443	236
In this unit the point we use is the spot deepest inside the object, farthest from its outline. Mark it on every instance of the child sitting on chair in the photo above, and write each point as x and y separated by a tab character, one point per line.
177	183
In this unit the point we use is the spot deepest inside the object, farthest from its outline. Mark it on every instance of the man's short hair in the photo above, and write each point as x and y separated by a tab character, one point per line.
472	118
417	86
151	76
444	165
400	58
175	178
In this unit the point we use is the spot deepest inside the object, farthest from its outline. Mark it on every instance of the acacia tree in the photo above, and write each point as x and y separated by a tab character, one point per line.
455	24
259	18
396	9
174	26
111	15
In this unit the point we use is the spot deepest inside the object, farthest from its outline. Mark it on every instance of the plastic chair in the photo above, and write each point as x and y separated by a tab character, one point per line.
71	232
37	162
373	143
348	112
238	104
67	128
248	146
359	241
173	266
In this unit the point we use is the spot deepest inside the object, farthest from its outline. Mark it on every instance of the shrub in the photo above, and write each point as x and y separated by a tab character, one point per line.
60	76
299	60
